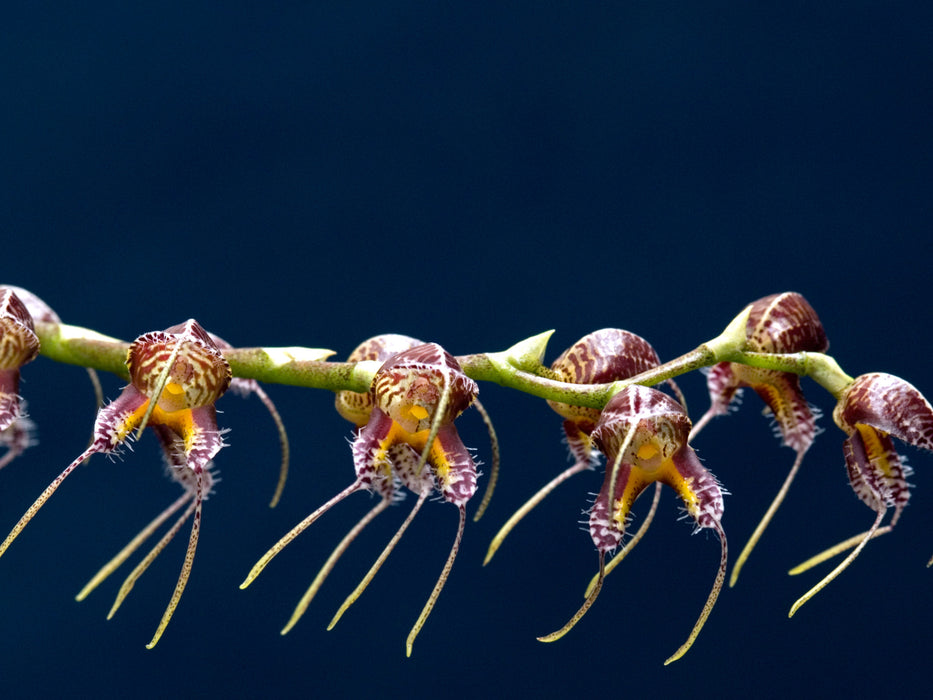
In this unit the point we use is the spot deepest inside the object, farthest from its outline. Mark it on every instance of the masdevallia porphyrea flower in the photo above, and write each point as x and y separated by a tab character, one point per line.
19	435
176	376
357	407
19	345
779	323
872	410
643	434
603	356
408	440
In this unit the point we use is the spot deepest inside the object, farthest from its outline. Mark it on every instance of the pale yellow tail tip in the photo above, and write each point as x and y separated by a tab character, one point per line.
590	599
492	551
529	505
253	575
736	570
806	597
410	642
291	623
843	565
765	520
737	567
680	652
710	600
831	552
552	637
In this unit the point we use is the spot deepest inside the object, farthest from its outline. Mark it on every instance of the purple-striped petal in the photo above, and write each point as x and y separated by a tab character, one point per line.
889	404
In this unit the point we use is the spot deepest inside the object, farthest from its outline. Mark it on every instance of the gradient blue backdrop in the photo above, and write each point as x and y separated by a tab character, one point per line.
316	173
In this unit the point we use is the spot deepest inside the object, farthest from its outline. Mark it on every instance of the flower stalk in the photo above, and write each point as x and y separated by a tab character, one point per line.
403	396
517	368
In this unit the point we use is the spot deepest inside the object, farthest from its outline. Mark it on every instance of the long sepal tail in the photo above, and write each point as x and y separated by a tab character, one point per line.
357	592
831	552
186	565
141	567
590	599
332	561
283	442
131	547
529	505
710	600
765	520
438	587
843	565
494	461
43	497
295	531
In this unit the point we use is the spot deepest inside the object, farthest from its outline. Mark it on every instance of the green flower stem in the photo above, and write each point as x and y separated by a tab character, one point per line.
723	348
491	368
74	345
303	367
703	356
823	369
520	367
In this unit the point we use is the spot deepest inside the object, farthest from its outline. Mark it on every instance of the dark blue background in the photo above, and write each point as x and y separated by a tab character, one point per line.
316	173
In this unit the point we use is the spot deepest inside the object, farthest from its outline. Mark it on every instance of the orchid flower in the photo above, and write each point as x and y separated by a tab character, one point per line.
780	323
19	344
602	356
176	376
410	440
643	434
20	433
872	409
